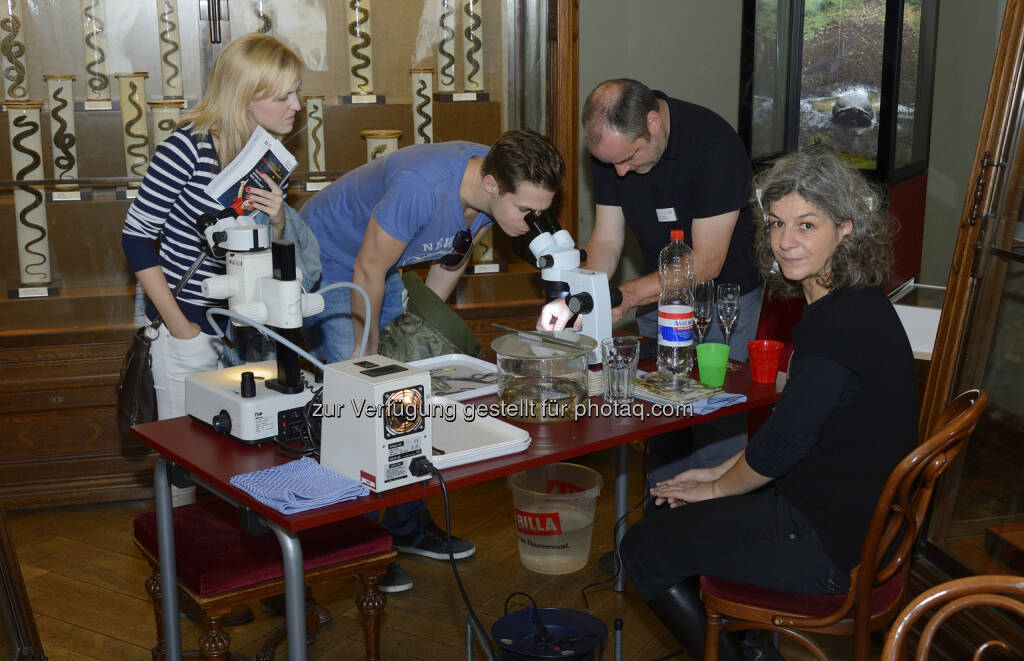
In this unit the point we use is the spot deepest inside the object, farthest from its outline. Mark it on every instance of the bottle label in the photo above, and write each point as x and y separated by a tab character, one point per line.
675	325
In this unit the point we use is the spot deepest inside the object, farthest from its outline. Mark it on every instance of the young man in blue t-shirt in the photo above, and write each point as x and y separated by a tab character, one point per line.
419	204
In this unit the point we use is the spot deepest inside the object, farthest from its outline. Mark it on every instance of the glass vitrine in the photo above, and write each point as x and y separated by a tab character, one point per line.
856	75
978	523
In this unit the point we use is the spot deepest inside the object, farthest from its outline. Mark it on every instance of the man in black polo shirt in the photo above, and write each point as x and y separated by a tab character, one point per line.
660	164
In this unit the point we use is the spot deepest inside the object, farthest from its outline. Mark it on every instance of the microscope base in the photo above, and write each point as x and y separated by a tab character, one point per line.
214	398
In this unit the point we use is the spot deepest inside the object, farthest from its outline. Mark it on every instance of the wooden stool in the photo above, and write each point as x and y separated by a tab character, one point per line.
220	566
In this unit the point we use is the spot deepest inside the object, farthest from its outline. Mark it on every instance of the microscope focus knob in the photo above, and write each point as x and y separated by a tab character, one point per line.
545	261
221	422
312	304
581	303
219	286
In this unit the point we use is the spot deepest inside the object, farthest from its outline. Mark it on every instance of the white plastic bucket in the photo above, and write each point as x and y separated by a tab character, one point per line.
554	516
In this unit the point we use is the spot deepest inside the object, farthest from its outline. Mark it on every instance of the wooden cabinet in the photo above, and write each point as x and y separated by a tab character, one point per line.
59	442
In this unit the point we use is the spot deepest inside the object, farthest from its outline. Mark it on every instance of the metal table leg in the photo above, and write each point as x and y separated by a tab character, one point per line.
621	504
168	565
294	593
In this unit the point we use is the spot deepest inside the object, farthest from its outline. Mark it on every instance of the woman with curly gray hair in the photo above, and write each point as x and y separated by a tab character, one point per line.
790	512
862	255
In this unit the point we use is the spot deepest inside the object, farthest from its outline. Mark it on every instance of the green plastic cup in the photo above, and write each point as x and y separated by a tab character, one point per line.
712	359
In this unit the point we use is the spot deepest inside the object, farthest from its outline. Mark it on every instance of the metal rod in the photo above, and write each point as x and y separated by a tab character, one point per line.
168	564
534	336
294	593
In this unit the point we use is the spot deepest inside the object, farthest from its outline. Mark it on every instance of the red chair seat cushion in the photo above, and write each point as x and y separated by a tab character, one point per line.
214	555
812	605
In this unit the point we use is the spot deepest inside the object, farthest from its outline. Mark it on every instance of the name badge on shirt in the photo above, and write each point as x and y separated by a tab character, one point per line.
666	215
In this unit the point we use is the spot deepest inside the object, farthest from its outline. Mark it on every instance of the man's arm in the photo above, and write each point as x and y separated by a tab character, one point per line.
442	281
379	252
710	242
605	245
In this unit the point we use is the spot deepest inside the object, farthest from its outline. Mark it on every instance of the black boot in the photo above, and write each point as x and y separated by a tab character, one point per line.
757	645
682	612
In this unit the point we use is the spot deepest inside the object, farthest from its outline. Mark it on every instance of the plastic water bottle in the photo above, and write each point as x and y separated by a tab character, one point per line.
675	307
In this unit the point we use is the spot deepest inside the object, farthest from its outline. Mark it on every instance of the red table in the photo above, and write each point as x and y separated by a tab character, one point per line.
212	459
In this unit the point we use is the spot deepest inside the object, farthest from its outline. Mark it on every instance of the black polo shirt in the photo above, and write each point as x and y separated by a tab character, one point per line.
704	172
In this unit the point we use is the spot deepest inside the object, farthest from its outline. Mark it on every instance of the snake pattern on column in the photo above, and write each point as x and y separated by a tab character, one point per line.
471	33
167	17
316	116
357	29
266	24
21	121
167	124
377	151
13	50
62	140
446	72
98	80
421	94
139	149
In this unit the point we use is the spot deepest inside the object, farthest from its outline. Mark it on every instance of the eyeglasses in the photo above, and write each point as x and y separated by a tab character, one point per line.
460	248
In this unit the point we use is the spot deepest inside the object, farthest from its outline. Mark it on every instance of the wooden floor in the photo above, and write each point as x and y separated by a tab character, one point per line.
85	582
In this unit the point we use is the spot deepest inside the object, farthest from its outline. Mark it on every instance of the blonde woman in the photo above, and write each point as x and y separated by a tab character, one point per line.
254	82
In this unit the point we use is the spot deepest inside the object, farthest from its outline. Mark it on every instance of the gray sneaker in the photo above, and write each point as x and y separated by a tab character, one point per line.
395	579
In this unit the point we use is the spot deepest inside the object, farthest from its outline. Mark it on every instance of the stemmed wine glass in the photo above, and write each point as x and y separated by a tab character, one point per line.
703	308
728	307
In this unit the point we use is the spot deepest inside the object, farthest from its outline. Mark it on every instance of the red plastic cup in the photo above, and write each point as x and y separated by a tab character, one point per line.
764	360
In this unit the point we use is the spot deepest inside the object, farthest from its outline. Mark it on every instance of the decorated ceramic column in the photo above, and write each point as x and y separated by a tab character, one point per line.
132	87
166	117
315	145
472	45
262	11
446	48
360	48
380	142
94	18
29	202
422	105
12	48
170	48
62	128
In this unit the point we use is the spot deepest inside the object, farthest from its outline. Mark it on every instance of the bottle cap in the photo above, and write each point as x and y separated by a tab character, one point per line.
675	235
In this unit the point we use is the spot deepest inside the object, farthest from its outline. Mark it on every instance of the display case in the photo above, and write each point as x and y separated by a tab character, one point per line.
856	75
87	94
977	524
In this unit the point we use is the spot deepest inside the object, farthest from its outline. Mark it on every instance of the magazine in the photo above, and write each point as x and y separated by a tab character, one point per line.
262	153
657	387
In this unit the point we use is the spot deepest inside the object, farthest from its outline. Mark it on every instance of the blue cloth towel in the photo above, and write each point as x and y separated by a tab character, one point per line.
298	486
717	401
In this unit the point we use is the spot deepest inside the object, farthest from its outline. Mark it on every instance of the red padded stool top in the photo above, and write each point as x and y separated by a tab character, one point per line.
214	555
812	605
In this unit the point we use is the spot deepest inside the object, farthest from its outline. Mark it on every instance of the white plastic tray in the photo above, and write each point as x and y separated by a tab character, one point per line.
458	376
464	438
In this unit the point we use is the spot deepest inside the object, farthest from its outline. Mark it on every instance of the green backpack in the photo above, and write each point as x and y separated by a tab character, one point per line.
427	328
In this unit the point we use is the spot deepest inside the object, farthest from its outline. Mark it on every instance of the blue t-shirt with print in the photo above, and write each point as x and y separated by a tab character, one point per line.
412	193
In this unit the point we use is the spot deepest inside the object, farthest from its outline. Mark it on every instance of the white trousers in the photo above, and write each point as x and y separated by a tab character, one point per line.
173	360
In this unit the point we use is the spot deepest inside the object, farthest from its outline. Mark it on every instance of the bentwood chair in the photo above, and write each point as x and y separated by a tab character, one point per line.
949	599
878	583
220	566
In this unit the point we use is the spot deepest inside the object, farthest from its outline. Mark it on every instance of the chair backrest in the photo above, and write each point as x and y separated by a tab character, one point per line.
950	598
907	494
